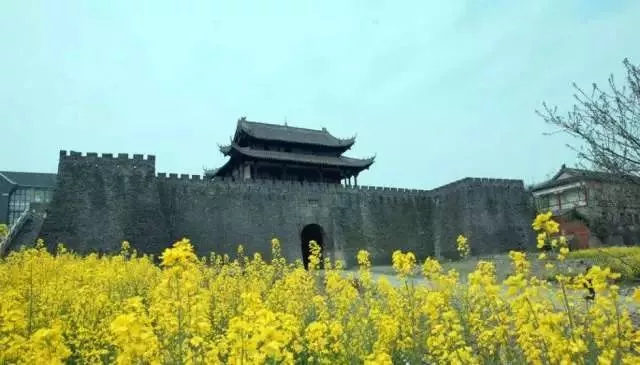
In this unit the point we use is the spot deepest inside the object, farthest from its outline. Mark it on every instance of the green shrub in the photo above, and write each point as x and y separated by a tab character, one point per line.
4	230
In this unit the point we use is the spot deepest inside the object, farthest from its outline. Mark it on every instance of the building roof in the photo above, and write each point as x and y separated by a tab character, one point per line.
286	133
568	175
29	179
339	161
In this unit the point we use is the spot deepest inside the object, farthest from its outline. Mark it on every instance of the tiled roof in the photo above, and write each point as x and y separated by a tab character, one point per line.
576	175
589	174
285	133
304	158
32	179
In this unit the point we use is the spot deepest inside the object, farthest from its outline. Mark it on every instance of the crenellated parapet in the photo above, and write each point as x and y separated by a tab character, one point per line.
94	156
475	182
302	188
146	164
180	177
121	161
293	187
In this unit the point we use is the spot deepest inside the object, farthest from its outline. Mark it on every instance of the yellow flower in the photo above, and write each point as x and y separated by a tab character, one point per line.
378	358
540	220
315	254
47	346
431	268
551	227
463	246
403	263
544	223
64	307
275	244
542	238
519	262
363	258
180	254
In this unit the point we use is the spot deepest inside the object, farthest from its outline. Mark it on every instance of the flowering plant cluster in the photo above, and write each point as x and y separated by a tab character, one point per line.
64	308
549	238
463	247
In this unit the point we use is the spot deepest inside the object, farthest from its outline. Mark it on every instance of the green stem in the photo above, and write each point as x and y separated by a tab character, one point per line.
411	312
566	304
619	330
570	314
537	324
30	327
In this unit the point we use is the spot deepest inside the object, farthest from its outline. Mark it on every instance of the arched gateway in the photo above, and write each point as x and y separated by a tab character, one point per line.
311	232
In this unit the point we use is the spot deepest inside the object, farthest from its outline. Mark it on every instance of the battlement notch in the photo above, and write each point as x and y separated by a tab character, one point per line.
106	161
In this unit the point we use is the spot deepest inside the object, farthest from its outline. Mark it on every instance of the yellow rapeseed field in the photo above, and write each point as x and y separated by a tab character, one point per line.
247	309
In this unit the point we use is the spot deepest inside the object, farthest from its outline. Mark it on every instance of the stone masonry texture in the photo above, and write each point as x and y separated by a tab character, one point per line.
101	200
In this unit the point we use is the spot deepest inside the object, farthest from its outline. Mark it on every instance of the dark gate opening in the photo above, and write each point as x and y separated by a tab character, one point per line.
311	232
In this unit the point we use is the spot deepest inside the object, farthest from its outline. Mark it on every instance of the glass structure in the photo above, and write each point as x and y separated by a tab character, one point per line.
19	190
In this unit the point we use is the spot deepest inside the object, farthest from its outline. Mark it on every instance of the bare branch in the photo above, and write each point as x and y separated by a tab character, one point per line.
607	123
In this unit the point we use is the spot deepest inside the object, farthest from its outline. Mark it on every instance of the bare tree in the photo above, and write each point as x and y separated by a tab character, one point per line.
608	124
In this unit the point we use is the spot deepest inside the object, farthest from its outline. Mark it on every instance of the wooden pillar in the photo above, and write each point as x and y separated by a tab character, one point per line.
355	177
246	173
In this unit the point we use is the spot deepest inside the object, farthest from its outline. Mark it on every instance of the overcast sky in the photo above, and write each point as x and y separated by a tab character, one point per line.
437	90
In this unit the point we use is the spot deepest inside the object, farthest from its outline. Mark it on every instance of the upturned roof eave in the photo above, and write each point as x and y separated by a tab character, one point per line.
347	162
224	149
342	144
218	171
